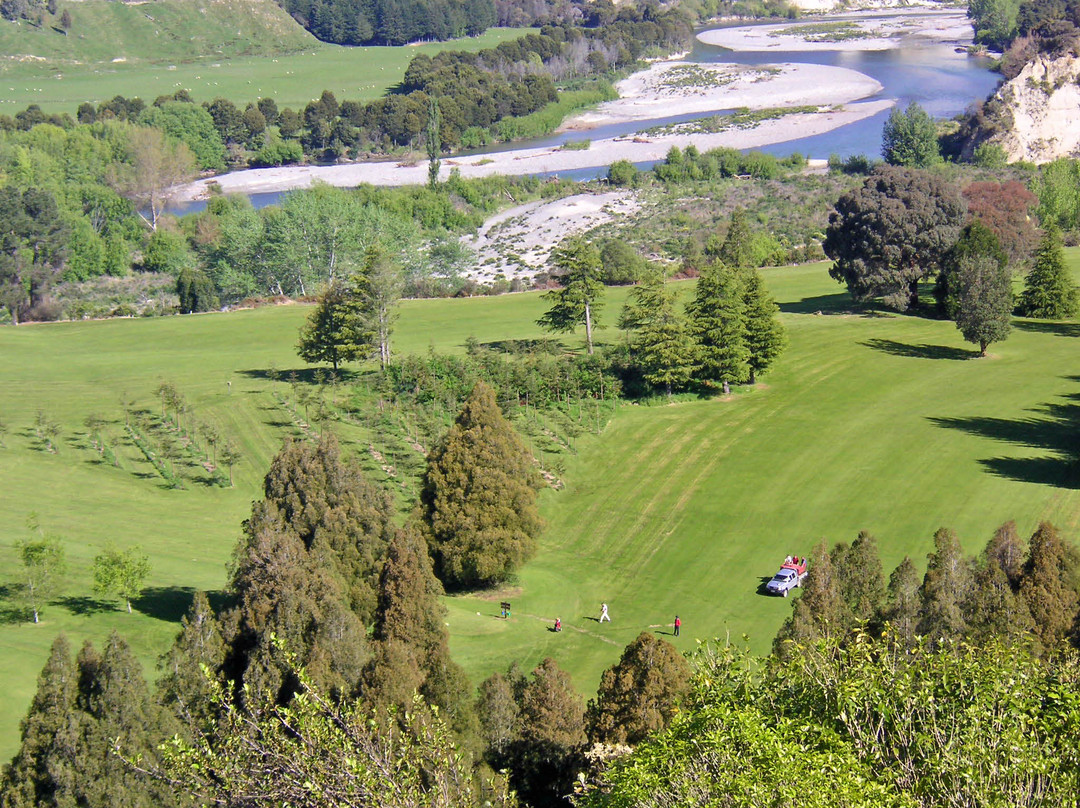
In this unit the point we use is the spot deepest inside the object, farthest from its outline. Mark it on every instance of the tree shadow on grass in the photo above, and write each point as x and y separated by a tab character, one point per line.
1046	327
762	582
306	375
85	606
1055	430
171	603
839	303
923	351
10	612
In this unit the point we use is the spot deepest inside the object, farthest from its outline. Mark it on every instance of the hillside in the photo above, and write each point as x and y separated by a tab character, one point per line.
874	422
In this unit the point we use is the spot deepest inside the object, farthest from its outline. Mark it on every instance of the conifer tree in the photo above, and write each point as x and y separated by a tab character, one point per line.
339	515
1008	550
902	603
478	500
945	586
861	578
579	270
994	610
765	334
820	611
183	687
1049	292
42	772
737	251
337	329
1049	585
500	718
412	650
661	342
638	695
718	323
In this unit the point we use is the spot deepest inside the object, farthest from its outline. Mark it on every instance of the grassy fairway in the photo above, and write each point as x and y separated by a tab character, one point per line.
236	49
869	422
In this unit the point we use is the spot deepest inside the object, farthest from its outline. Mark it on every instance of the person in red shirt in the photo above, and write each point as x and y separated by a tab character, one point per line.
678	625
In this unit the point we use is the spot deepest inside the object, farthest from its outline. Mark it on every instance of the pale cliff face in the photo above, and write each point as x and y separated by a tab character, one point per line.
1044	103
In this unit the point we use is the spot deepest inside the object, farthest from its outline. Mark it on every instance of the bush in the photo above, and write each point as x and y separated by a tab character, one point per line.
622	173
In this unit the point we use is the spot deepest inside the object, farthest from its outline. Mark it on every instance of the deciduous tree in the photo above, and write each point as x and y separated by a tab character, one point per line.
909	138
157	164
984	300
478	499
976	241
42	558
121	573
891	233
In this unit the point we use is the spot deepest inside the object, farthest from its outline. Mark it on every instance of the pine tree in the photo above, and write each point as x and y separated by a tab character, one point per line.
579	269
42	772
337	330
1049	292
737	251
820	611
765	334
945	587
478	500
412	650
183	687
661	343
638	696
718	323
1048	585
861	578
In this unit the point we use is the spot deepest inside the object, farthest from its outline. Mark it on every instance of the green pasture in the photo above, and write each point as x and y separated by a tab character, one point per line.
236	49
870	421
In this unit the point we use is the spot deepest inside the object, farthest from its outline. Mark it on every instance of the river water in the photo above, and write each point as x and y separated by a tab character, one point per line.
941	80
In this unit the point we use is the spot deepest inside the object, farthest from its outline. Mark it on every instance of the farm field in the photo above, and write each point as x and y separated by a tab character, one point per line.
870	421
236	49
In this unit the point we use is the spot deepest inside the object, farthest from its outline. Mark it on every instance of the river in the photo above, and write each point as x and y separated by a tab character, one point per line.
934	74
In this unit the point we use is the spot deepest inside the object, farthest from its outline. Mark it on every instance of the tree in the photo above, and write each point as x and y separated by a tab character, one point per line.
902	603
230	455
478	500
500	717
1049	292
891	233
434	143
976	241
622	264
157	164
42	558
985	301
379	287
661	343
412	652
945	587
994	610
1049	585
1008	210
189	666
120	574
65	19
337	330
319	751
909	138
717	317
765	334
578	266
737	251
639	695
196	291
33	244
820	611
861	579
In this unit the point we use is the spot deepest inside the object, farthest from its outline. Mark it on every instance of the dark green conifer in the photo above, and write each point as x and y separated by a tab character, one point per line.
337	330
718	323
412	650
42	772
1049	585
661	343
945	587
1049	292
902	603
478	501
820	611
994	610
638	695
342	519
765	334
183	687
861	578
737	251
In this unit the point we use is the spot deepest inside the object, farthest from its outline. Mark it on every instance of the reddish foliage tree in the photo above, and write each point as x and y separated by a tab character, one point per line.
1007	209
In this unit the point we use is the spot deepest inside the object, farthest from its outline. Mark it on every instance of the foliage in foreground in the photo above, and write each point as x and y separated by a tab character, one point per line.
861	723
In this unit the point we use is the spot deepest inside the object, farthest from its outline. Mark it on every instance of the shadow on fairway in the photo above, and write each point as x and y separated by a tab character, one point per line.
839	303
10	612
1043	327
923	351
84	606
1055	430
171	603
305	375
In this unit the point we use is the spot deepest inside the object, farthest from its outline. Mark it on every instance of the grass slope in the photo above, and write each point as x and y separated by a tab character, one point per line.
236	49
882	423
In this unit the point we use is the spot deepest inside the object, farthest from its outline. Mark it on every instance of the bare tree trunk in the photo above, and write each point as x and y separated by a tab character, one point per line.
588	327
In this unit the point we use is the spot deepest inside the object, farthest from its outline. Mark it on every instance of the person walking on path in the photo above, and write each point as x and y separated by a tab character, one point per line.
603	613
558	624
678	625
